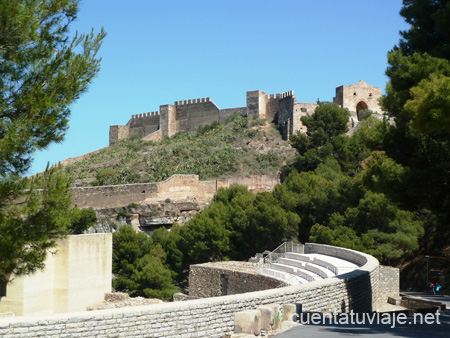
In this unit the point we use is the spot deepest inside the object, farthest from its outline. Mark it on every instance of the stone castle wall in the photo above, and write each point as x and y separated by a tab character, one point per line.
225	113
285	114
143	124
207	317
118	133
282	108
358	96
193	113
175	187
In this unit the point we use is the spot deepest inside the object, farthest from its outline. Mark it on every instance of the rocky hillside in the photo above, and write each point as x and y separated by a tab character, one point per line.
238	148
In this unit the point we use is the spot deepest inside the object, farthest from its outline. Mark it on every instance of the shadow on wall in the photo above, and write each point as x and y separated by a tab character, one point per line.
357	282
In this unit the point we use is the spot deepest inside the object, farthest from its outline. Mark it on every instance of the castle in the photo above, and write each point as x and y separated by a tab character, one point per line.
282	108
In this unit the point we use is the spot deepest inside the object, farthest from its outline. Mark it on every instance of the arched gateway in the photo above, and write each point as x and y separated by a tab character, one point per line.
360	107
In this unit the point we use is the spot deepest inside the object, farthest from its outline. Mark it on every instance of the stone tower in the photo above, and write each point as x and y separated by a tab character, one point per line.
358	97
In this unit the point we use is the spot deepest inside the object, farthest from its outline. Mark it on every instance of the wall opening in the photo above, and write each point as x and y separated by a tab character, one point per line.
2	289
360	107
224	285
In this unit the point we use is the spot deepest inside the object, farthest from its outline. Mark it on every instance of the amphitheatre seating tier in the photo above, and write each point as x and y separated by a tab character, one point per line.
309	267
315	268
283	276
308	275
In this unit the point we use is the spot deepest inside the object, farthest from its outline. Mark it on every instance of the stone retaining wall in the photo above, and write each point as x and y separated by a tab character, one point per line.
227	278
207	317
175	187
389	282
411	302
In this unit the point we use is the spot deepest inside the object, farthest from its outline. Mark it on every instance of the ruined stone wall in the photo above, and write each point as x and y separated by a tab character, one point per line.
117	133
272	107
349	97
253	183
155	136
175	187
144	124
207	317
389	282
167	120
227	278
191	114
256	103
111	196
285	114
225	113
301	109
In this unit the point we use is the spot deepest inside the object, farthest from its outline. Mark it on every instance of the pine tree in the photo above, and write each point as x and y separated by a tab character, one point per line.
42	72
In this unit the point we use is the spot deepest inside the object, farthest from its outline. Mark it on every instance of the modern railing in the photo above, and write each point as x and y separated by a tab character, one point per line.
282	249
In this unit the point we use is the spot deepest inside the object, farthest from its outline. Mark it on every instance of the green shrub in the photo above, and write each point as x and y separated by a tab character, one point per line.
108	176
81	220
232	117
139	266
122	213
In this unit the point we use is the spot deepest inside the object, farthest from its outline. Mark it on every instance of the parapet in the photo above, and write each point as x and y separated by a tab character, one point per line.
283	95
149	114
193	101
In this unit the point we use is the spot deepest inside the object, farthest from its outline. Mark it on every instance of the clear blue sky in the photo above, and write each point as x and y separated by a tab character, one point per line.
158	52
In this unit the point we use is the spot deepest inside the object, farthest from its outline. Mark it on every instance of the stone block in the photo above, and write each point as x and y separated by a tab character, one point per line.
289	311
394	300
276	316
266	319
247	322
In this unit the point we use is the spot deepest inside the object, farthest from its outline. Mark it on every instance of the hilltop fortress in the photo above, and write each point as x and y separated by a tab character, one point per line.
281	108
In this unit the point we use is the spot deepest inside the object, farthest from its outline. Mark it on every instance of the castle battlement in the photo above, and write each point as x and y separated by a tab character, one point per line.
283	107
284	95
193	101
149	114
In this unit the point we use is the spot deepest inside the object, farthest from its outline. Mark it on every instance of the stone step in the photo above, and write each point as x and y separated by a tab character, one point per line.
308	275
317	269
283	276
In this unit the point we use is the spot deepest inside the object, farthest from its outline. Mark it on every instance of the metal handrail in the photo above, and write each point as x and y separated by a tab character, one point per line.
280	251
280	275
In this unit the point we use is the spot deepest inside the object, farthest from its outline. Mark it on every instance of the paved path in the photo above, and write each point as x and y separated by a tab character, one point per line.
409	329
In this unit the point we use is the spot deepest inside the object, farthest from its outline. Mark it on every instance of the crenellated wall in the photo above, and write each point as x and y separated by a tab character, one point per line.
281	108
285	113
191	114
143	124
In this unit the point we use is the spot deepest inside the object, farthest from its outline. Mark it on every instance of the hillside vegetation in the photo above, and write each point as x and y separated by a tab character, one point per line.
330	196
239	147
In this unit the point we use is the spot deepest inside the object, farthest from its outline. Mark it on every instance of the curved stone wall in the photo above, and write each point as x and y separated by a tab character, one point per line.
210	317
